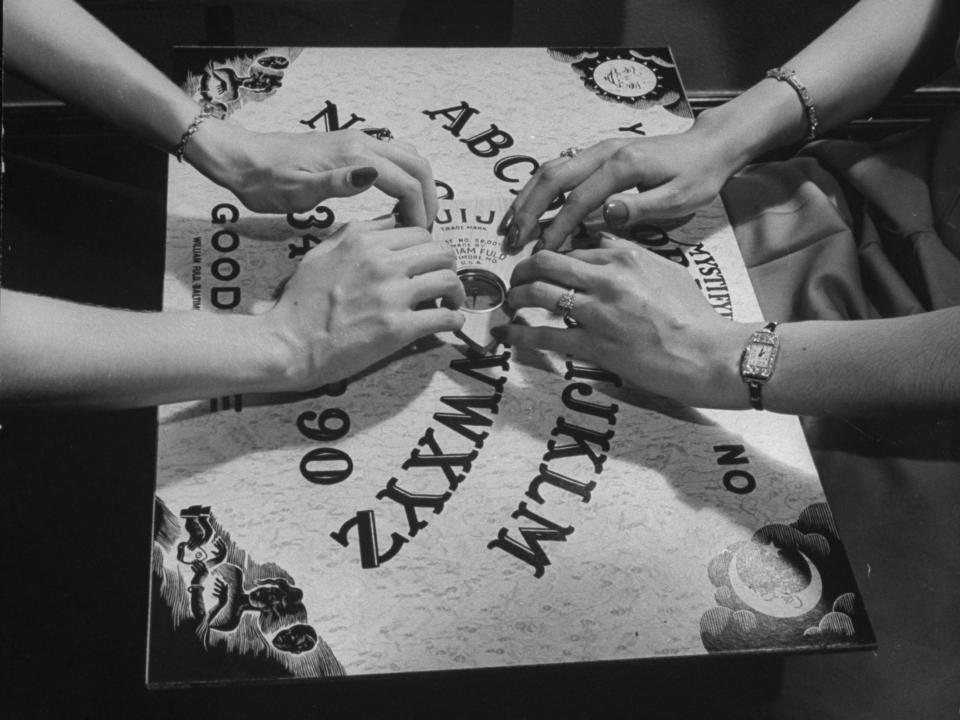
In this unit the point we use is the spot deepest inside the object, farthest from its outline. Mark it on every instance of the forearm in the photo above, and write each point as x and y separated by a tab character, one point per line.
856	368
853	66
60	46
55	354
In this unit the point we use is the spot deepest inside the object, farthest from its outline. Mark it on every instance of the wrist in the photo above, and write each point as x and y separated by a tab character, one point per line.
217	149
724	386
763	118
721	133
283	361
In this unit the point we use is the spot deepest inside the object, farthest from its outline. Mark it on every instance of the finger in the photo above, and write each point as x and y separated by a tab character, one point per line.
570	341
611	242
546	296
398	238
315	187
425	257
656	206
351	231
599	255
410	180
609	178
553	268
350	180
396	182
553	178
429	320
385	222
437	284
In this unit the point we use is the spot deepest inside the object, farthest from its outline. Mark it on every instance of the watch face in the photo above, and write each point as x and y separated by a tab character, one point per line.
758	359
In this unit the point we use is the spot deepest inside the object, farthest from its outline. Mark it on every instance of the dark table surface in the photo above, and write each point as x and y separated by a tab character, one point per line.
78	504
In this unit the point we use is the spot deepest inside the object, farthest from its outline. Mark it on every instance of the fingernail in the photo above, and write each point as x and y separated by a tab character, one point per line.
361	177
615	213
505	223
592	225
513	238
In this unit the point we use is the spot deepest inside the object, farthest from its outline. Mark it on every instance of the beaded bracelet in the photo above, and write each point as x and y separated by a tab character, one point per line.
790	77
206	112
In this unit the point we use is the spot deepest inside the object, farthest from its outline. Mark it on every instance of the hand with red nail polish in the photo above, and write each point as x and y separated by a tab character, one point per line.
674	174
636	314
294	172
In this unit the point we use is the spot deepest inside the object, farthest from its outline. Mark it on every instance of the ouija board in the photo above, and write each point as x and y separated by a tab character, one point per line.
463	504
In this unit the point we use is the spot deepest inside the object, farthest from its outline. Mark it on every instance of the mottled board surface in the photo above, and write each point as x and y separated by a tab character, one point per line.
446	510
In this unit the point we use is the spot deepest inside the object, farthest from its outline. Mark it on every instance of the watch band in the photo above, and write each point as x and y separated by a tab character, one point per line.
755	384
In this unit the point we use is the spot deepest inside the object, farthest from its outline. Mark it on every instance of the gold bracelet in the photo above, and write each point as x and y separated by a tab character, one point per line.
207	112
790	77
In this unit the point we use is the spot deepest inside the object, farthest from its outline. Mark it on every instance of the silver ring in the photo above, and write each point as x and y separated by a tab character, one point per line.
570	151
565	302
565	308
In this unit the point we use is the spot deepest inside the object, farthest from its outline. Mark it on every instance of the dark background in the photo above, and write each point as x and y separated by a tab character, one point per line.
78	488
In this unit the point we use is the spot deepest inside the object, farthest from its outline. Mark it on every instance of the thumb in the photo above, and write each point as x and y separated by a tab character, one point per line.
650	207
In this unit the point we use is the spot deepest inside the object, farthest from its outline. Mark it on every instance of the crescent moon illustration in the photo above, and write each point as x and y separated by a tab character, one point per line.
780	602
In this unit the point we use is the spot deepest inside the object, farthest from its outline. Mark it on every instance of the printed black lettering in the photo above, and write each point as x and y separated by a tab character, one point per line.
439	459
331	118
585	372
217	216
306	245
467	415
366	525
530	550
446	192
332	424
320	217
607	412
732	454
225	298
225	269
457	115
675	254
217	241
749	482
636	128
336	466
489	143
503	164
411	501
469	367
563	482
582	437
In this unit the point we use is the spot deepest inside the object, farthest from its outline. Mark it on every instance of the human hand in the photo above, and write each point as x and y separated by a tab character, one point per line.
639	315
294	172
357	297
676	175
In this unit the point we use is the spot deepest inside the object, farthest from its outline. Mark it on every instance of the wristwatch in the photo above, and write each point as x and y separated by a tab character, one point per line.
758	361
